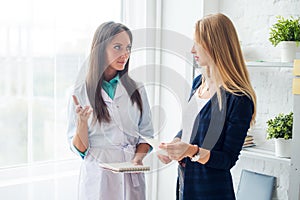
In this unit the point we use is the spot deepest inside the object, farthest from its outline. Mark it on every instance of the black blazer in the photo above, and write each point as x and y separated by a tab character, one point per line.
222	132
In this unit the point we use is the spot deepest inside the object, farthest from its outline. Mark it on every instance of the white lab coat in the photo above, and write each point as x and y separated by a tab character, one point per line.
112	142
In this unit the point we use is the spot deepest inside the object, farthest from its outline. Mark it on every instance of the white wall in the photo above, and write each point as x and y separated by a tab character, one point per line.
273	85
253	20
273	88
273	167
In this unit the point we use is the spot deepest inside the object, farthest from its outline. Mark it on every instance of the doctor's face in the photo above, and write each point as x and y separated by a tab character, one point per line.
200	54
118	51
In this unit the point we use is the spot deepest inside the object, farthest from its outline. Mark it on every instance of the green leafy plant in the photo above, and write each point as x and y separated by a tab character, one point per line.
285	30
281	126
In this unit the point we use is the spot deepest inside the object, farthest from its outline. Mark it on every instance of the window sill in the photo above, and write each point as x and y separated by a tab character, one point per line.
258	152
39	172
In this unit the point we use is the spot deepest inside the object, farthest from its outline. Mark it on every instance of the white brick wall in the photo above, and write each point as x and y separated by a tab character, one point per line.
273	86
253	20
270	167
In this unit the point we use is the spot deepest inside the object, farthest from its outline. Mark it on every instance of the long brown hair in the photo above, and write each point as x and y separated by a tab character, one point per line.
97	65
217	35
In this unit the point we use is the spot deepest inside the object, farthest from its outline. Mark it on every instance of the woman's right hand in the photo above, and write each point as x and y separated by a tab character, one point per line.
83	113
165	159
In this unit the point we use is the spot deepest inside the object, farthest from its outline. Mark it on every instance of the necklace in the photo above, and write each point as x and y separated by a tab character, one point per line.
203	88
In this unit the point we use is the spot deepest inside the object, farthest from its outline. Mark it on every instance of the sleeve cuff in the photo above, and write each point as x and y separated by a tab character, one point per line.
81	154
142	141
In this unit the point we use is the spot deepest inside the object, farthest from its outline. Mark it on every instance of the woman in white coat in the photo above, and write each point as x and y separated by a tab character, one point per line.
108	116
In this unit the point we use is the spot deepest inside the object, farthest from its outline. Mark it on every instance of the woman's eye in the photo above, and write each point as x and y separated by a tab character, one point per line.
129	48
117	47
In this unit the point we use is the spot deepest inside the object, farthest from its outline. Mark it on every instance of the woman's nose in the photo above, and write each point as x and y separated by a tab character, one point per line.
193	51
125	54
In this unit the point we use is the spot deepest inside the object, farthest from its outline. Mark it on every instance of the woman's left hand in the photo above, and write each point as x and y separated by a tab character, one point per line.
177	150
138	159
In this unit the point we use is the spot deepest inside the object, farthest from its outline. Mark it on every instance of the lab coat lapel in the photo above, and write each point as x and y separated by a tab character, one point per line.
105	96
120	90
118	93
129	114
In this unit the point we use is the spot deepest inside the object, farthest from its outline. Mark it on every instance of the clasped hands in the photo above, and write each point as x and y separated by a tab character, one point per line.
177	150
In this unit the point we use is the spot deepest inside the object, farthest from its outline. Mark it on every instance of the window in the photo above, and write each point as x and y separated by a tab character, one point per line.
43	44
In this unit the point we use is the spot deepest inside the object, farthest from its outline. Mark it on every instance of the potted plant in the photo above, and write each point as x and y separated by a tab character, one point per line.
280	128
286	32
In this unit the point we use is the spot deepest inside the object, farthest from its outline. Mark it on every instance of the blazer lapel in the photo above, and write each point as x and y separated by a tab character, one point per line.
195	87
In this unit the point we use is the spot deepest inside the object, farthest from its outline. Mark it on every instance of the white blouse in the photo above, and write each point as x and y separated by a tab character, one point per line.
190	112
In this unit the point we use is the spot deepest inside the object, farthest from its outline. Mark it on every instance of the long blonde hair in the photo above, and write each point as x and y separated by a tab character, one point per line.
217	35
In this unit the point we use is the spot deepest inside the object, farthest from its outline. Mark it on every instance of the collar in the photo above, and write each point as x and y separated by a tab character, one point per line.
113	82
110	86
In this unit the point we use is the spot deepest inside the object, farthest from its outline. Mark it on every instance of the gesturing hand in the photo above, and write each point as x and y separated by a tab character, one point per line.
83	113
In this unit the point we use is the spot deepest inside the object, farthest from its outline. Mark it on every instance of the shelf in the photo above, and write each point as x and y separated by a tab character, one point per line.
263	154
270	64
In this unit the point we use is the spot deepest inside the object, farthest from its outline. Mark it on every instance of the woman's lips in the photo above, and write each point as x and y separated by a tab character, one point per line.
121	62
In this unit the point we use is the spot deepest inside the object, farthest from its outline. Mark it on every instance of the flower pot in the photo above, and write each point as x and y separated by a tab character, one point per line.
288	51
283	147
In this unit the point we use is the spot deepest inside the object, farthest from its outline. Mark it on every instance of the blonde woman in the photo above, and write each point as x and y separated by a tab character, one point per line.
219	112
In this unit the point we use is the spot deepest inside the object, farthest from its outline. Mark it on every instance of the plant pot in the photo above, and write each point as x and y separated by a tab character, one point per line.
288	51
283	147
